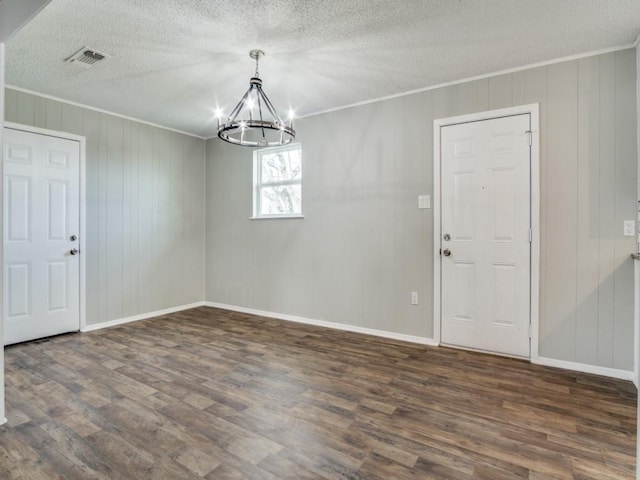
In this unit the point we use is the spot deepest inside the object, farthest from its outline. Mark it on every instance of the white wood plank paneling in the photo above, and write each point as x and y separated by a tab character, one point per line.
145	208
500	91
561	205
625	201
607	230
588	218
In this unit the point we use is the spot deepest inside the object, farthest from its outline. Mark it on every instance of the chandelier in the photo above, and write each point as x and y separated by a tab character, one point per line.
254	122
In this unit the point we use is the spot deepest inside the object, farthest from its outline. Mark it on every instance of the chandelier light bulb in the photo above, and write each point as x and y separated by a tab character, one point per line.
218	114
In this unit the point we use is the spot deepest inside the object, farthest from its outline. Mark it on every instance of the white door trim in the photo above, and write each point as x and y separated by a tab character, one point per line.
534	111
83	258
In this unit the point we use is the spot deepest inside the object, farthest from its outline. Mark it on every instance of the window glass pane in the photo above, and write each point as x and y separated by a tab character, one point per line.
280	166
281	200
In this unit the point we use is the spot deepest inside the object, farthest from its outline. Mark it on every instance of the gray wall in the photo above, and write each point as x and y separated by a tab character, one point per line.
14	14
363	244
2	66
145	208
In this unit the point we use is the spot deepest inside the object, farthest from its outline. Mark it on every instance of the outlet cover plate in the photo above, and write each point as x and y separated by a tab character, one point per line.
629	228
414	298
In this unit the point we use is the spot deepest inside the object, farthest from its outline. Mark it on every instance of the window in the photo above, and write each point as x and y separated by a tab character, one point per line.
277	182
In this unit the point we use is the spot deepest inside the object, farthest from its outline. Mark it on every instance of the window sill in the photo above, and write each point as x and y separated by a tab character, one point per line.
276	217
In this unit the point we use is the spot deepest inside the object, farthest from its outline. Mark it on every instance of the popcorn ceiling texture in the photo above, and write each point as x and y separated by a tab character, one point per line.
173	61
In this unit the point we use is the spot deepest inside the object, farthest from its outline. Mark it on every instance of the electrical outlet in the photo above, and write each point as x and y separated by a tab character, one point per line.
629	228
424	201
414	298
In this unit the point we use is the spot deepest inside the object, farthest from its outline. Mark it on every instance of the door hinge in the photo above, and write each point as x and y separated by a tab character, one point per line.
530	235
530	133
530	330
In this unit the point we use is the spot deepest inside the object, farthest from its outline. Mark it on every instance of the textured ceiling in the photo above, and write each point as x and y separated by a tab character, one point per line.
173	61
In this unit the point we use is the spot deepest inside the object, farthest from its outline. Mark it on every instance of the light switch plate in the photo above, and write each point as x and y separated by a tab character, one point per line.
629	228
424	201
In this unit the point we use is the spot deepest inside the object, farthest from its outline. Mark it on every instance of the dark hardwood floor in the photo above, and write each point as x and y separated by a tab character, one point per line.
222	395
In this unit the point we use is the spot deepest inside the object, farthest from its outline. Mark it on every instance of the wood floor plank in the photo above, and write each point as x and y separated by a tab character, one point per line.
209	393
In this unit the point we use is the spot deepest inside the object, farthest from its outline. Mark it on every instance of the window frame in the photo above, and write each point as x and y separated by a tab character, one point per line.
258	184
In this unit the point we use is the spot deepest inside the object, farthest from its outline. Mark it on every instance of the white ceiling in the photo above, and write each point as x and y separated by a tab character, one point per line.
173	61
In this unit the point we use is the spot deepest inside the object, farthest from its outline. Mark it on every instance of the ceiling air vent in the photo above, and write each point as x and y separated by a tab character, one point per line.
86	57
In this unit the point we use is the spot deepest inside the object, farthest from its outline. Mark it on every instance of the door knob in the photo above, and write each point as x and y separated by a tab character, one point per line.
74	251
446	252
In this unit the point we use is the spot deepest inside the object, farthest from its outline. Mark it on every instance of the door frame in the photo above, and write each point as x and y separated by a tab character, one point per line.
534	302
82	234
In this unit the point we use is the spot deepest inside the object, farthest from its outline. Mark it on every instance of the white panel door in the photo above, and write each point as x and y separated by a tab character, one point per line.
41	230
485	260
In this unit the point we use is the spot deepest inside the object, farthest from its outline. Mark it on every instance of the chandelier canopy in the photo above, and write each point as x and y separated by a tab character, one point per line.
254	122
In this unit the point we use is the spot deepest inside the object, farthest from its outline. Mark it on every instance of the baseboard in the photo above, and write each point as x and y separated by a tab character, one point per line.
583	367
3	421
323	323
143	316
549	362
